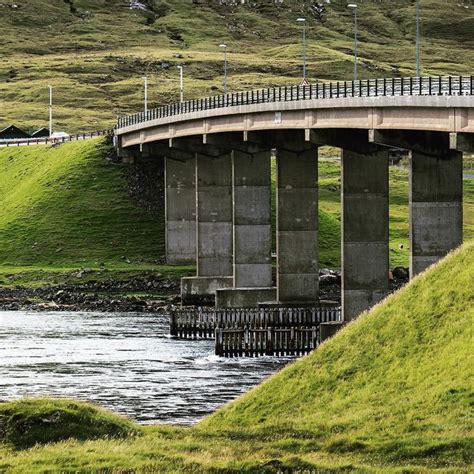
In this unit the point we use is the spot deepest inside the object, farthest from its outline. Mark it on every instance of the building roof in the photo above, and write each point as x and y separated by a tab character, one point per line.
42	132
12	132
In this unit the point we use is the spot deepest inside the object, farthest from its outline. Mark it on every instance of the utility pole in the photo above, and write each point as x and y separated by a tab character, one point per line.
181	84
224	47
50	110
303	21
356	45
145	79
418	59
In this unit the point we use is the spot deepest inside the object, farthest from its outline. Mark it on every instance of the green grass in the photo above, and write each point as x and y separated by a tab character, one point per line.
95	60
30	422
392	392
68	205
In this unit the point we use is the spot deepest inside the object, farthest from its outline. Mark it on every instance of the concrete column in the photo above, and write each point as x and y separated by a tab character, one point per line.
180	205
436	219
297	223
214	216
365	230
252	236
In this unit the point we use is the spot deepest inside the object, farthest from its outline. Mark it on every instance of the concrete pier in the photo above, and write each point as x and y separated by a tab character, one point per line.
365	230
436	211
214	246
180	205
297	222
252	236
214	215
252	231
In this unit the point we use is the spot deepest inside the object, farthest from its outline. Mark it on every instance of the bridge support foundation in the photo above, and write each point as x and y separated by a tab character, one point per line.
252	232
180	205
436	214
365	230
297	223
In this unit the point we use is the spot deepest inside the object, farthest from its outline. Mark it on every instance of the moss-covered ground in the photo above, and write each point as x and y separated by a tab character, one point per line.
392	392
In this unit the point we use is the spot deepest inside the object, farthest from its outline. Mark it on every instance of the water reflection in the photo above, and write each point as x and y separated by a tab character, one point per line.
125	362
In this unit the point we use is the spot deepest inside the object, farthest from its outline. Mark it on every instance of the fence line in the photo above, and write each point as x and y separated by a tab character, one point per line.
53	141
384	87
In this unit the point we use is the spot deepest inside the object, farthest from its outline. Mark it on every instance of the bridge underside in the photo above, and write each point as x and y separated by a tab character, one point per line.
218	211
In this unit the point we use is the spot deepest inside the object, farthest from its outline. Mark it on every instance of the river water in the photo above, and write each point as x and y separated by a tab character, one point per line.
125	362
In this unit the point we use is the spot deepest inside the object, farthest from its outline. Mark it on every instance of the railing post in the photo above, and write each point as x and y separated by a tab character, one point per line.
411	85
450	82
393	86
401	86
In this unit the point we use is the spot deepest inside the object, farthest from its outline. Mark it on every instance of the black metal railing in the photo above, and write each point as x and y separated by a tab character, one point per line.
386	87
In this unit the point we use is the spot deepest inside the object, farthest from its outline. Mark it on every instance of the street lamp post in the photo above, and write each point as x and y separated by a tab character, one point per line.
181	84
50	110
224	47
145	80
418	60
303	22
356	46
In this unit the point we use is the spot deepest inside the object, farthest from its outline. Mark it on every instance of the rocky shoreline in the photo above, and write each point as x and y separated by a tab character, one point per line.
154	294
145	294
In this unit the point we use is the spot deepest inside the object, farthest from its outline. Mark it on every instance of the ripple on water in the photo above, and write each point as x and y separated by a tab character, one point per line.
125	362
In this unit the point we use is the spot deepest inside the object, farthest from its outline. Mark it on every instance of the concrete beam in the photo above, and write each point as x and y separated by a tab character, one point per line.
233	141
428	143
365	230
195	145
162	149
347	139
462	142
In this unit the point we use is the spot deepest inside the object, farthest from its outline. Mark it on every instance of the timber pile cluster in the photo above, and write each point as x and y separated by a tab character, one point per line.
255	332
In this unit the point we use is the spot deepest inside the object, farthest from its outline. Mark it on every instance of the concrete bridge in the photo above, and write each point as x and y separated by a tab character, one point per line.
218	185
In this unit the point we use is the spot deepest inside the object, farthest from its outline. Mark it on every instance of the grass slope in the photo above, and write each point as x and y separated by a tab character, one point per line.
68	205
96	53
392	392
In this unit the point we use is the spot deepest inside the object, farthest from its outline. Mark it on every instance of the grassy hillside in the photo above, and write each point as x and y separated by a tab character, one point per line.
68	205
392	392
95	53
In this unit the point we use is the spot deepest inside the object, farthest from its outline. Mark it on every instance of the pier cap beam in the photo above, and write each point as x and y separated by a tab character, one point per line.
462	142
